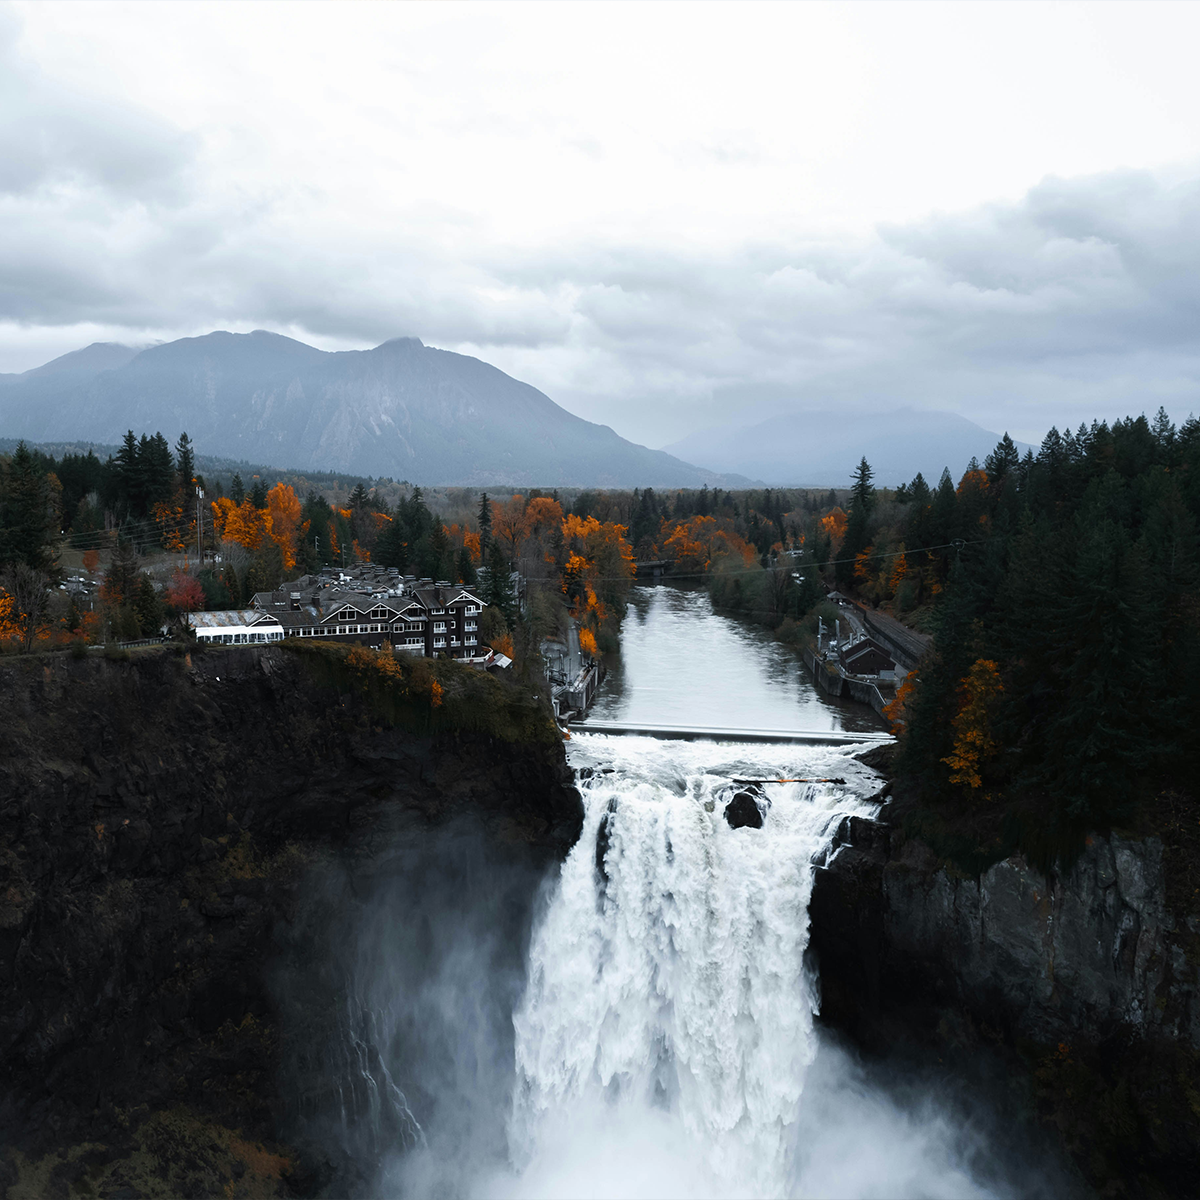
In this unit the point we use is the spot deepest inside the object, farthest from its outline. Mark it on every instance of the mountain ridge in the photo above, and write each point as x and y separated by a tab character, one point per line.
400	409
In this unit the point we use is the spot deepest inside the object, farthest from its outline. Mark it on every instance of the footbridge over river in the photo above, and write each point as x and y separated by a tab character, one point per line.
696	733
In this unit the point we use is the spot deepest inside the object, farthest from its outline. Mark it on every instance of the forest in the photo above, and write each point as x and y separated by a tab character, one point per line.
1060	589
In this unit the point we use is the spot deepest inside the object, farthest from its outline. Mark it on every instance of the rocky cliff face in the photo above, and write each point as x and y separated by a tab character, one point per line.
1089	980
161	825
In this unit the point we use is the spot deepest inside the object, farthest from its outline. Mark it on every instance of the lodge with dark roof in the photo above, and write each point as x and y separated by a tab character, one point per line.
421	618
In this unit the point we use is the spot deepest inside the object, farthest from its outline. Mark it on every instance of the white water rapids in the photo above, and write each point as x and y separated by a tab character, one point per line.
673	992
661	1021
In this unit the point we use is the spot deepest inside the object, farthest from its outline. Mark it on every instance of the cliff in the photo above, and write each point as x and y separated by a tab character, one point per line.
161	823
1086	983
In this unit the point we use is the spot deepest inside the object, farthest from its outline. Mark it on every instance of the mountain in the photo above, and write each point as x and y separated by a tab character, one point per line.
70	369
822	449
403	410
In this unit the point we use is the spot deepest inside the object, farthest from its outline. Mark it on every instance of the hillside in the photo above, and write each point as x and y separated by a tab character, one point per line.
822	449
402	409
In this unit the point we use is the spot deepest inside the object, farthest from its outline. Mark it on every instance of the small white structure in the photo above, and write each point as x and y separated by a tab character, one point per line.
236	626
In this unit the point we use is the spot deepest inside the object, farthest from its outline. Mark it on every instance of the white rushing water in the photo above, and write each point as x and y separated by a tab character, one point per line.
668	1023
664	1042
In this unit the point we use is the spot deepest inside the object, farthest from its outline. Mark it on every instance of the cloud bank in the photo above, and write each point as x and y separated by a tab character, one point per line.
1078	298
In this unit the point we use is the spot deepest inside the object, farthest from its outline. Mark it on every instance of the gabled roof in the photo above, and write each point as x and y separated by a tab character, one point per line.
230	617
440	597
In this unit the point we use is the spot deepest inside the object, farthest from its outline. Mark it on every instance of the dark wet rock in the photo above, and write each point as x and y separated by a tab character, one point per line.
603	838
744	811
879	758
1086	978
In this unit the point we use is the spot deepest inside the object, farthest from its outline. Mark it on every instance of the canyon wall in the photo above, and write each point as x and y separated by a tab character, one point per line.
162	823
1086	983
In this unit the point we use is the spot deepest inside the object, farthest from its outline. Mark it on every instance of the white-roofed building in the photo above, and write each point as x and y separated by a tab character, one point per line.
236	626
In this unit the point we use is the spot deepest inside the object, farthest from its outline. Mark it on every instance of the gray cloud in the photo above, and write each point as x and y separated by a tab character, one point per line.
1080	299
53	138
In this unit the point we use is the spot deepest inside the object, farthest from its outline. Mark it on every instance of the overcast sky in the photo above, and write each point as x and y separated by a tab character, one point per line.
660	215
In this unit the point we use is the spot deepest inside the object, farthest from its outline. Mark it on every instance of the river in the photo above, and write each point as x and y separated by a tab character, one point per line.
683	664
663	1040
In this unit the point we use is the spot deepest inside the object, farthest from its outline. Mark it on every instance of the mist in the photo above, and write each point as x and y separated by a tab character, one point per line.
470	1022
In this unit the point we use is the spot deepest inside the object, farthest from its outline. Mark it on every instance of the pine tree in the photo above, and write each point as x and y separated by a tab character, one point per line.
466	568
27	516
498	592
237	489
185	462
485	525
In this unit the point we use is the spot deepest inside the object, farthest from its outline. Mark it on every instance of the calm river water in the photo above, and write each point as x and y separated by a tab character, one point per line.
681	663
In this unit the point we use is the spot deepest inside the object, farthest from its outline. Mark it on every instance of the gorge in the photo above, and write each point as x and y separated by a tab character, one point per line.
258	939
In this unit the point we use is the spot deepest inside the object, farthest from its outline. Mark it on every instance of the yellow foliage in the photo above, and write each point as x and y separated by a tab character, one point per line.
899	570
896	712
10	625
973	741
283	521
174	529
972	481
834	524
697	543
241	523
587	642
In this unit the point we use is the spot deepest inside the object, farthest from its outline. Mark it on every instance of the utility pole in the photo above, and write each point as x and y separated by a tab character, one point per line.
199	524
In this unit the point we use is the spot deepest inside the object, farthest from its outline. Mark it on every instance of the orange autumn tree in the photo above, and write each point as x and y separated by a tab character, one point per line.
11	628
462	538
699	544
974	744
597	576
241	523
896	712
834	523
176	527
508	525
283	522
543	522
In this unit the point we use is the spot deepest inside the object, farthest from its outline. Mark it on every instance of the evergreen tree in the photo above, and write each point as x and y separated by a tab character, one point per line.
485	526
258	493
158	471
27	517
237	489
185	463
862	504
1002	461
466	568
862	493
128	477
147	607
233	587
498	591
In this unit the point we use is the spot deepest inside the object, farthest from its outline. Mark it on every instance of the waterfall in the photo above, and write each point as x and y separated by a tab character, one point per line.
667	993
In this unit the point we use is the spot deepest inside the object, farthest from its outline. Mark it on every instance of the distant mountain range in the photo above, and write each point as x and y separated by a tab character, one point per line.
402	410
822	449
